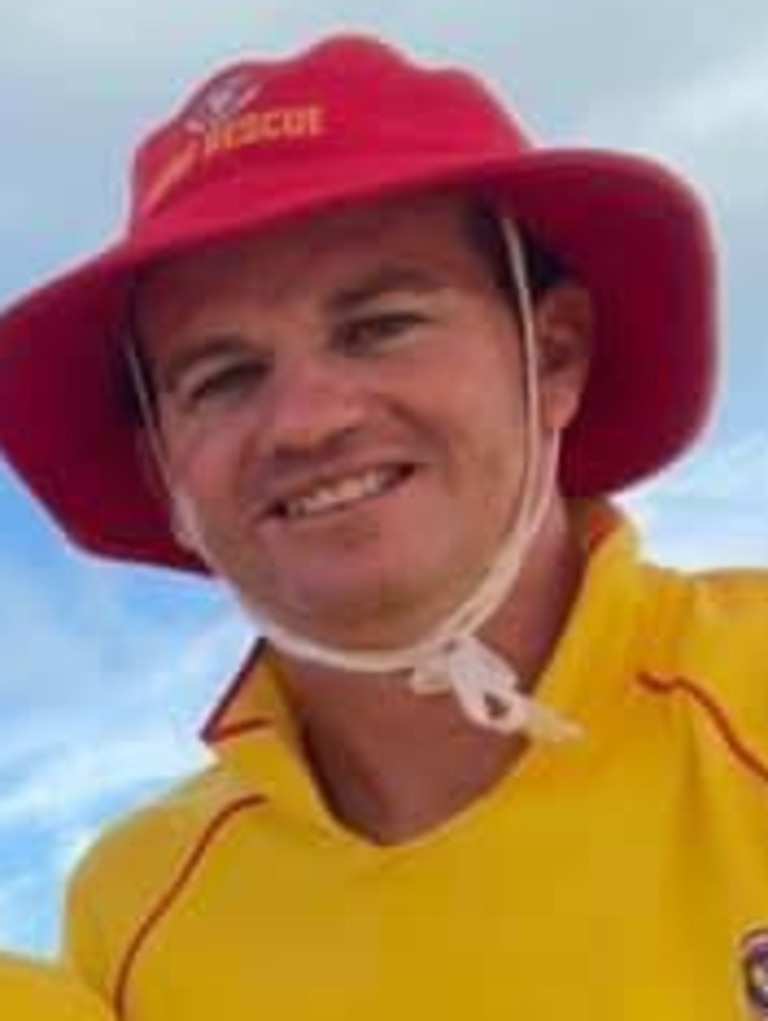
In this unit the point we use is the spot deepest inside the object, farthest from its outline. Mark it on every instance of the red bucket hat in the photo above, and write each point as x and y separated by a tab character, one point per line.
350	119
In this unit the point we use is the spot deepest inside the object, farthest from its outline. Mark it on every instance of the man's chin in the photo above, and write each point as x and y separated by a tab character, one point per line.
360	618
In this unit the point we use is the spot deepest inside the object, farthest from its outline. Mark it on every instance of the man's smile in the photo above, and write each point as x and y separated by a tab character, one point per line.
341	493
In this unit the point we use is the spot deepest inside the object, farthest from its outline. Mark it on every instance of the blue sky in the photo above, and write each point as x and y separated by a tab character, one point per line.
107	671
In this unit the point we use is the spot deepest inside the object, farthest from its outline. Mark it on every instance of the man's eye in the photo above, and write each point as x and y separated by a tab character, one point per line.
226	382
367	335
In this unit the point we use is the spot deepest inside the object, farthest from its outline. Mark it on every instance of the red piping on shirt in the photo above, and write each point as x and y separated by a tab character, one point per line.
165	902
214	730
748	758
241	727
598	527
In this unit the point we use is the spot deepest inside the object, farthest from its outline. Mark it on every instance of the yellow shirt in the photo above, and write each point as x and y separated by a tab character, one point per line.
33	991
622	876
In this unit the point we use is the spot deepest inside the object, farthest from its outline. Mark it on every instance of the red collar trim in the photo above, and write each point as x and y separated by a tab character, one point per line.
224	722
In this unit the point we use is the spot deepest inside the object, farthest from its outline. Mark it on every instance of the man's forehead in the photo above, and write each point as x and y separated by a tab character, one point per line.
352	218
347	243
364	223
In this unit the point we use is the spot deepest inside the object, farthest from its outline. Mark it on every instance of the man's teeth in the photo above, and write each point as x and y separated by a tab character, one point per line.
340	493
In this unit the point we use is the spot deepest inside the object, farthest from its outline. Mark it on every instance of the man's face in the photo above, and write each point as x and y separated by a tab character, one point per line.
340	405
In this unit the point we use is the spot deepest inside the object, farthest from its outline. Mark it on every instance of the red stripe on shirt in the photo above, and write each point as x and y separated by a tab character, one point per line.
214	726
718	716
167	899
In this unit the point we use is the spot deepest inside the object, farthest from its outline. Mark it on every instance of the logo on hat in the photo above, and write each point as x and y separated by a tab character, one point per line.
223	119
754	957
221	101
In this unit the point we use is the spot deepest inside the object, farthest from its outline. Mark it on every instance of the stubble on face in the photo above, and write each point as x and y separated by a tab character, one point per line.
447	400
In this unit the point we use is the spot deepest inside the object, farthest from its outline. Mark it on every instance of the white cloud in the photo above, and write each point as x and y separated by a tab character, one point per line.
735	473
712	510
76	780
15	891
713	124
71	742
117	724
115	47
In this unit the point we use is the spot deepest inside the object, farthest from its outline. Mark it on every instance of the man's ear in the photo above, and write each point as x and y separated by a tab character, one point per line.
185	525
148	454
564	323
178	508
151	470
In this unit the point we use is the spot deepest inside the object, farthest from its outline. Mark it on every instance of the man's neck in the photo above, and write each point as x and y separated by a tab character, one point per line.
393	764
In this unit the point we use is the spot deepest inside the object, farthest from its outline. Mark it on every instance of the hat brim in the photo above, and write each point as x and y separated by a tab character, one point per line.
630	231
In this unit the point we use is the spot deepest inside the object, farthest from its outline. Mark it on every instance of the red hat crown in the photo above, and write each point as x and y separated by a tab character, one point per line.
348	95
351	120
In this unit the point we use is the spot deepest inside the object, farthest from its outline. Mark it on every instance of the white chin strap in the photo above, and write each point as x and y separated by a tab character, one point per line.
451	657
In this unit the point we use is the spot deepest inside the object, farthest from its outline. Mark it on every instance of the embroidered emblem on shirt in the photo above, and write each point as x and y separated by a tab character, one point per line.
754	957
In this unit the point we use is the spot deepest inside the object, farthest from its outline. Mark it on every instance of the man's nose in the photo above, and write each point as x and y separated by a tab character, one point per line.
311	402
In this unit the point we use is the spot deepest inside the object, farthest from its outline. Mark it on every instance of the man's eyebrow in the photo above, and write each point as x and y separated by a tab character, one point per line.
166	372
380	283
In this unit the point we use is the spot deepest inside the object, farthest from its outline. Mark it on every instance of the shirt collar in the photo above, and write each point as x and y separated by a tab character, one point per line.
253	731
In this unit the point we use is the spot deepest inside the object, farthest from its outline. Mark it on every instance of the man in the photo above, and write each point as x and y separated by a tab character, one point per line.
376	361
34	991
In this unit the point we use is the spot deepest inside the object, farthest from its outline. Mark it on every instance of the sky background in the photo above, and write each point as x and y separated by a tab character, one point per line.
106	672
